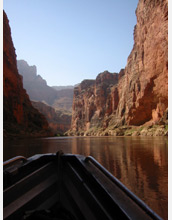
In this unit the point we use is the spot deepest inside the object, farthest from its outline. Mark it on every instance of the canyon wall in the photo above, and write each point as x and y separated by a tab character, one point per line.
92	102
19	116
145	97
138	95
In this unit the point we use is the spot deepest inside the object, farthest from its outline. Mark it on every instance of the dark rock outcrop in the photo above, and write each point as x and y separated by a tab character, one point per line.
20	118
139	94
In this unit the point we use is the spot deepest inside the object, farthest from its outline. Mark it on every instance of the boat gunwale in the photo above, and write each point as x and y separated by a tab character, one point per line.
135	198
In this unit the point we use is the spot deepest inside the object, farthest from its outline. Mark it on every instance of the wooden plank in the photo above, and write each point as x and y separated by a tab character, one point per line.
29	195
25	184
86	201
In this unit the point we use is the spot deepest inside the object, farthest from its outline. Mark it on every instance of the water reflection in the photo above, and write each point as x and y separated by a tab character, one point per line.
140	163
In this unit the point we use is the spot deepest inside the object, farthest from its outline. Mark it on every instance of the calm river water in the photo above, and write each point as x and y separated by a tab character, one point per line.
141	163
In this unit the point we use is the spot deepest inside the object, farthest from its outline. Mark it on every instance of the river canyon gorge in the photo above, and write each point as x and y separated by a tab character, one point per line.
132	103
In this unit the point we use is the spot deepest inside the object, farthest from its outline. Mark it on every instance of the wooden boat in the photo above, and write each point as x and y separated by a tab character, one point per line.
66	186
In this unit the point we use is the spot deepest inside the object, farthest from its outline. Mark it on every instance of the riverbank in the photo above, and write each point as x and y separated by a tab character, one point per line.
151	130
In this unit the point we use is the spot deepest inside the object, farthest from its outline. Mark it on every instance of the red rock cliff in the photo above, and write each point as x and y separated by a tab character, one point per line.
20	117
139	94
92	102
143	90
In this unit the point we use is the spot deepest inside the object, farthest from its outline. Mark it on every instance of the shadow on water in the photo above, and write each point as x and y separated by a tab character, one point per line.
141	163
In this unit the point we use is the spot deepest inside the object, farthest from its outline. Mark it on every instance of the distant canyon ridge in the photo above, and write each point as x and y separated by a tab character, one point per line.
123	103
59	97
55	103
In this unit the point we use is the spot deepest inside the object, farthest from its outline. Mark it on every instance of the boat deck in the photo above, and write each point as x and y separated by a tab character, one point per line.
72	185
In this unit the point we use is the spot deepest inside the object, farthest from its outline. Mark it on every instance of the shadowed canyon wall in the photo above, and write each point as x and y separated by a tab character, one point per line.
138	95
20	118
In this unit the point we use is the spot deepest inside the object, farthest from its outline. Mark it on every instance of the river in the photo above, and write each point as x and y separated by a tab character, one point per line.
140	163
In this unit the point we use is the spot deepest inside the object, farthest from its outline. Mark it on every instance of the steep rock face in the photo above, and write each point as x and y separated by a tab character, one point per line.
144	88
58	121
140	94
19	115
91	102
38	90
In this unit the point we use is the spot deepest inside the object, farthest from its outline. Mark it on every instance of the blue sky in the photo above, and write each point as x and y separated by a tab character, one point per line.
72	40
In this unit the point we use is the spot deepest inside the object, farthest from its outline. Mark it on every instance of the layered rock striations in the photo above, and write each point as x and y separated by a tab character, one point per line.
38	90
145	97
20	118
139	94
59	121
92	102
